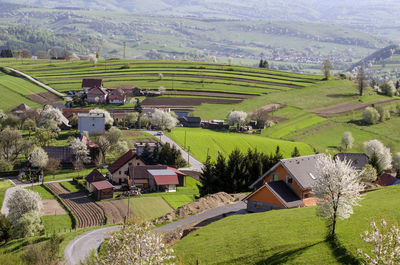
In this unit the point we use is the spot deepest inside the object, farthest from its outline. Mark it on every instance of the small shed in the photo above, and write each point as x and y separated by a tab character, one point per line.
93	177
103	190
165	179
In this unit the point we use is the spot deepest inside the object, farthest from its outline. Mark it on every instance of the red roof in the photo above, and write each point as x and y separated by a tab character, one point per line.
102	185
166	180
128	156
386	180
116	96
94	176
176	171
88	142
69	113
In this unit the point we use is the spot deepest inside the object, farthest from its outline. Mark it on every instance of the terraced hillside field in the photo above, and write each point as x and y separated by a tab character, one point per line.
87	212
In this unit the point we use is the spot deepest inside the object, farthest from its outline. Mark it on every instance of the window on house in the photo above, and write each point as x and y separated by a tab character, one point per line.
275	177
138	164
130	164
307	195
289	180
93	124
120	172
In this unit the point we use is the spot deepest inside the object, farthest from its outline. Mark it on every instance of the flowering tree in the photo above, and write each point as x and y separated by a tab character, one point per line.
135	244
237	117
379	155
50	114
371	115
21	202
163	120
28	225
109	119
368	173
396	161
347	140
385	242
81	152
92	58
39	158
337	189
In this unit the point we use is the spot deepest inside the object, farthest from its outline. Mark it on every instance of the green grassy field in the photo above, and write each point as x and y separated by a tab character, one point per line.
148	208
14	91
71	186
43	192
57	223
294	236
202	141
183	195
4	185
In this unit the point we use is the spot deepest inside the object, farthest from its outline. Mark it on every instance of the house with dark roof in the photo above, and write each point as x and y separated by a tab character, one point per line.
97	95
20	110
288	184
358	161
116	96
62	153
93	176
156	178
89	83
119	170
193	122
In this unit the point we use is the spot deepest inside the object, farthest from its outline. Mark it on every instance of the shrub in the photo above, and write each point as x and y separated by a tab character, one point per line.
384	113
28	225
369	174
371	115
43	254
5	228
5	165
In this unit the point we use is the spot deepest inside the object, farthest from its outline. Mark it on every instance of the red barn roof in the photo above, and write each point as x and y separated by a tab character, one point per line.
97	91
166	180
102	185
92	83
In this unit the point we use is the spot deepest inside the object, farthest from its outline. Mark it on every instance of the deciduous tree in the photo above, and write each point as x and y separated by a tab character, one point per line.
39	158
237	117
163	120
368	173
371	115
326	68
361	81
347	140
379	155
109	119
81	152
11	144
337	189
23	201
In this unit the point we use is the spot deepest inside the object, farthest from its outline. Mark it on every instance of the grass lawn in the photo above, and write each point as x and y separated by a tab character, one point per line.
294	236
43	192
56	223
4	185
184	195
148	208
71	186
202	141
69	174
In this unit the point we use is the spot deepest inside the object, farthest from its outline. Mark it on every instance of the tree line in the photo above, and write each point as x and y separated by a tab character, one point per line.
238	171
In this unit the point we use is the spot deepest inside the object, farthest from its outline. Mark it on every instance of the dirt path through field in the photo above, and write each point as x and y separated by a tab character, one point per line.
347	107
86	212
52	207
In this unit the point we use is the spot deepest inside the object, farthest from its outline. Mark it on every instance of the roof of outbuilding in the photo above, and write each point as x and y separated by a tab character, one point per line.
94	176
161	172
21	107
302	169
358	160
166	179
102	185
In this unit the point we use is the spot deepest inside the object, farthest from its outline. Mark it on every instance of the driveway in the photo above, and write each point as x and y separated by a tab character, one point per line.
195	165
81	246
18	185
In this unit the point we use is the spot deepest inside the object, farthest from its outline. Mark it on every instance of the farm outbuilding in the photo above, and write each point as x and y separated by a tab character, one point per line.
103	190
93	177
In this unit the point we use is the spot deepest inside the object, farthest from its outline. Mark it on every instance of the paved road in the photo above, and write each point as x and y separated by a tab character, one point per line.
52	90
195	164
18	185
81	246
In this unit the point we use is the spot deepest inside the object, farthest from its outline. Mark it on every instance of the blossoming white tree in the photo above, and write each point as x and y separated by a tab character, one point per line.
28	225
135	244
396	161
337	189
379	155
347	140
237	117
163	120
109	119
80	150
39	158
23	201
385	242
50	114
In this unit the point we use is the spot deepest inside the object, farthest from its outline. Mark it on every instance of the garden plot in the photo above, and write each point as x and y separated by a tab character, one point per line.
184	102
52	207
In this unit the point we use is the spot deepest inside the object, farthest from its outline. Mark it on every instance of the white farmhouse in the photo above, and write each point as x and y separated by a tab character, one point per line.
93	123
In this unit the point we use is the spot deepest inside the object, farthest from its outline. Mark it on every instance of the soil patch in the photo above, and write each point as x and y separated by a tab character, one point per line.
205	203
44	98
52	207
184	102
115	211
210	94
347	107
133	134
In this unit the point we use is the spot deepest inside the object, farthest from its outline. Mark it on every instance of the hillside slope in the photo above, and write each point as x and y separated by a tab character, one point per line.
294	236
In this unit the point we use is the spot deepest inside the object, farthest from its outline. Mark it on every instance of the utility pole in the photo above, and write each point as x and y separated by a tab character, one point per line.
124	49
184	146
188	155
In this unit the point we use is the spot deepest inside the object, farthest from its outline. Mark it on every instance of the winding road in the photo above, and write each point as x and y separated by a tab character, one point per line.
195	164
81	246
